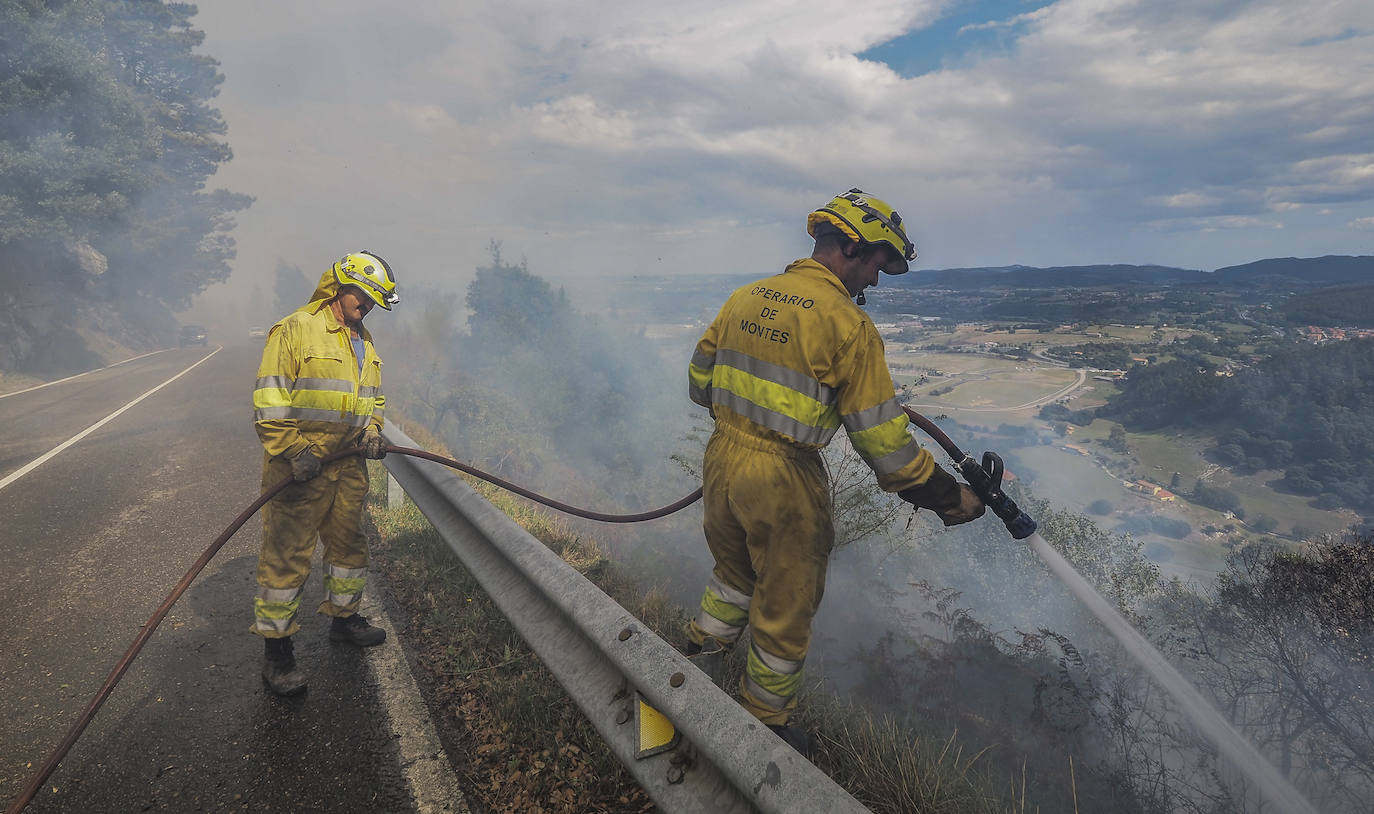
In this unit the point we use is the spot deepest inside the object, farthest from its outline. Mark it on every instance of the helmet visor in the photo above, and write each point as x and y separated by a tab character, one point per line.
384	298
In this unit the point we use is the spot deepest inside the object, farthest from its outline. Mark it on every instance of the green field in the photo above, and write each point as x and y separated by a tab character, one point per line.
1127	333
902	359
997	388
1074	482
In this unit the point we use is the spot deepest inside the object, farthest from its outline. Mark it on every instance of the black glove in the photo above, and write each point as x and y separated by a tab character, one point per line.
939	493
305	465
952	502
970	507
372	444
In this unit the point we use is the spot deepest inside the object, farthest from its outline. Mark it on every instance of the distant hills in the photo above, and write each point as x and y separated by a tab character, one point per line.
1276	273
1329	270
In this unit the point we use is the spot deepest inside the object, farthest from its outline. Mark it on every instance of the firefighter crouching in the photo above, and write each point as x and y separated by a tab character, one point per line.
788	361
318	391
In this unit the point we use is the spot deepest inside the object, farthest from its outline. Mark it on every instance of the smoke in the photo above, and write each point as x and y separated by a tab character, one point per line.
107	139
960	628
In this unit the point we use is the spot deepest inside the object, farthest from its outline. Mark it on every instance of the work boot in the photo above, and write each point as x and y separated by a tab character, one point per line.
795	737
355	630
279	668
708	658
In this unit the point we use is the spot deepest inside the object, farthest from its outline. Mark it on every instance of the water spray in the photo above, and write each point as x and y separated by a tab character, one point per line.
985	480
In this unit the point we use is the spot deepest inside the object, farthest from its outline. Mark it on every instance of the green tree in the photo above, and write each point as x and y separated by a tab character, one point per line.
1116	439
107	138
1286	643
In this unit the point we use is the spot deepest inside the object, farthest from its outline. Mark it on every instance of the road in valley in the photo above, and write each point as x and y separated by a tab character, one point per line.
94	536
1080	378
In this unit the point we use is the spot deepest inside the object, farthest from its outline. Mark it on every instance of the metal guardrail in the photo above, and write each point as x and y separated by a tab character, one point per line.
602	655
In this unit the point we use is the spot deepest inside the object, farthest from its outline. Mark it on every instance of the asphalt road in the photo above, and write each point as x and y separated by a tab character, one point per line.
91	542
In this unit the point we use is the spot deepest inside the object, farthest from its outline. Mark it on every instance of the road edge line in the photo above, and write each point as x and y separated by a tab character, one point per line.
82	373
433	784
57	450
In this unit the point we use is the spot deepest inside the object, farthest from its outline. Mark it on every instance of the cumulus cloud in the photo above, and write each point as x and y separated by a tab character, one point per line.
589	140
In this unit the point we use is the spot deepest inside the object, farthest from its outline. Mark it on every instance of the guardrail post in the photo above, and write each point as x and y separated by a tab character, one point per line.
395	495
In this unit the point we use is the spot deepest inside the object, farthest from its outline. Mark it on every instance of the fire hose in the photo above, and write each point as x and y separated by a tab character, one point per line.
985	480
149	627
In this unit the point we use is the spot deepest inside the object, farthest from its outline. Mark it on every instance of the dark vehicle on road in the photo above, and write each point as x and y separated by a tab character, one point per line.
192	335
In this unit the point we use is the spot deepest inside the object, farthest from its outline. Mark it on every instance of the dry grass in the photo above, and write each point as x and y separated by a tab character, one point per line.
518	742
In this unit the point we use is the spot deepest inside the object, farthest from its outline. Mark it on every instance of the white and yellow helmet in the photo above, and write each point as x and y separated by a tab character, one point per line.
866	219
367	271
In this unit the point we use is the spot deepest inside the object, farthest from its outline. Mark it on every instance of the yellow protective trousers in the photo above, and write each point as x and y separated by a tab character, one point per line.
769	526
330	506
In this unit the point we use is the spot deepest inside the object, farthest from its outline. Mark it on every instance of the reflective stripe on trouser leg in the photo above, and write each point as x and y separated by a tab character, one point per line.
345	544
290	522
768	523
274	611
343	587
771	682
724	613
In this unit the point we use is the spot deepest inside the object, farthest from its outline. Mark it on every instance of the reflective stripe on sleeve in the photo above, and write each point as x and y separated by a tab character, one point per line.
699	378
874	417
283	383
879	434
895	461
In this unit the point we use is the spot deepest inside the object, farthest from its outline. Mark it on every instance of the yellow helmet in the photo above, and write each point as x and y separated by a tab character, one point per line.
866	219
370	273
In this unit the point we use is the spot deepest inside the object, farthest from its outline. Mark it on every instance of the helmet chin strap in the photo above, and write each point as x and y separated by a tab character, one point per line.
860	299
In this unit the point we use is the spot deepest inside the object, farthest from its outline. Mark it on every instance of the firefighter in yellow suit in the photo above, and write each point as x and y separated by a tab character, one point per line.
787	362
318	391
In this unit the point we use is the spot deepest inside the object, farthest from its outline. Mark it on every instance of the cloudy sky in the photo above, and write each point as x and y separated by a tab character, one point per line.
606	138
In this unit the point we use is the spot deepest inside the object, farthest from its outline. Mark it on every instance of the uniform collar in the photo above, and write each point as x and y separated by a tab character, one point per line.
808	267
332	323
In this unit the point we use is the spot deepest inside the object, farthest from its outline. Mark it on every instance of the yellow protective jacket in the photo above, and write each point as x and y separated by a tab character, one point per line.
792	358
309	391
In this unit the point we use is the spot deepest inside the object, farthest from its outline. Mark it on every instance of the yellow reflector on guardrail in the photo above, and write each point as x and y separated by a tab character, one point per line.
656	733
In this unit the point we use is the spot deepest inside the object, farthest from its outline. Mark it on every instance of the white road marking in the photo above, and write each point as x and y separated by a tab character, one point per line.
79	375
37	462
433	784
